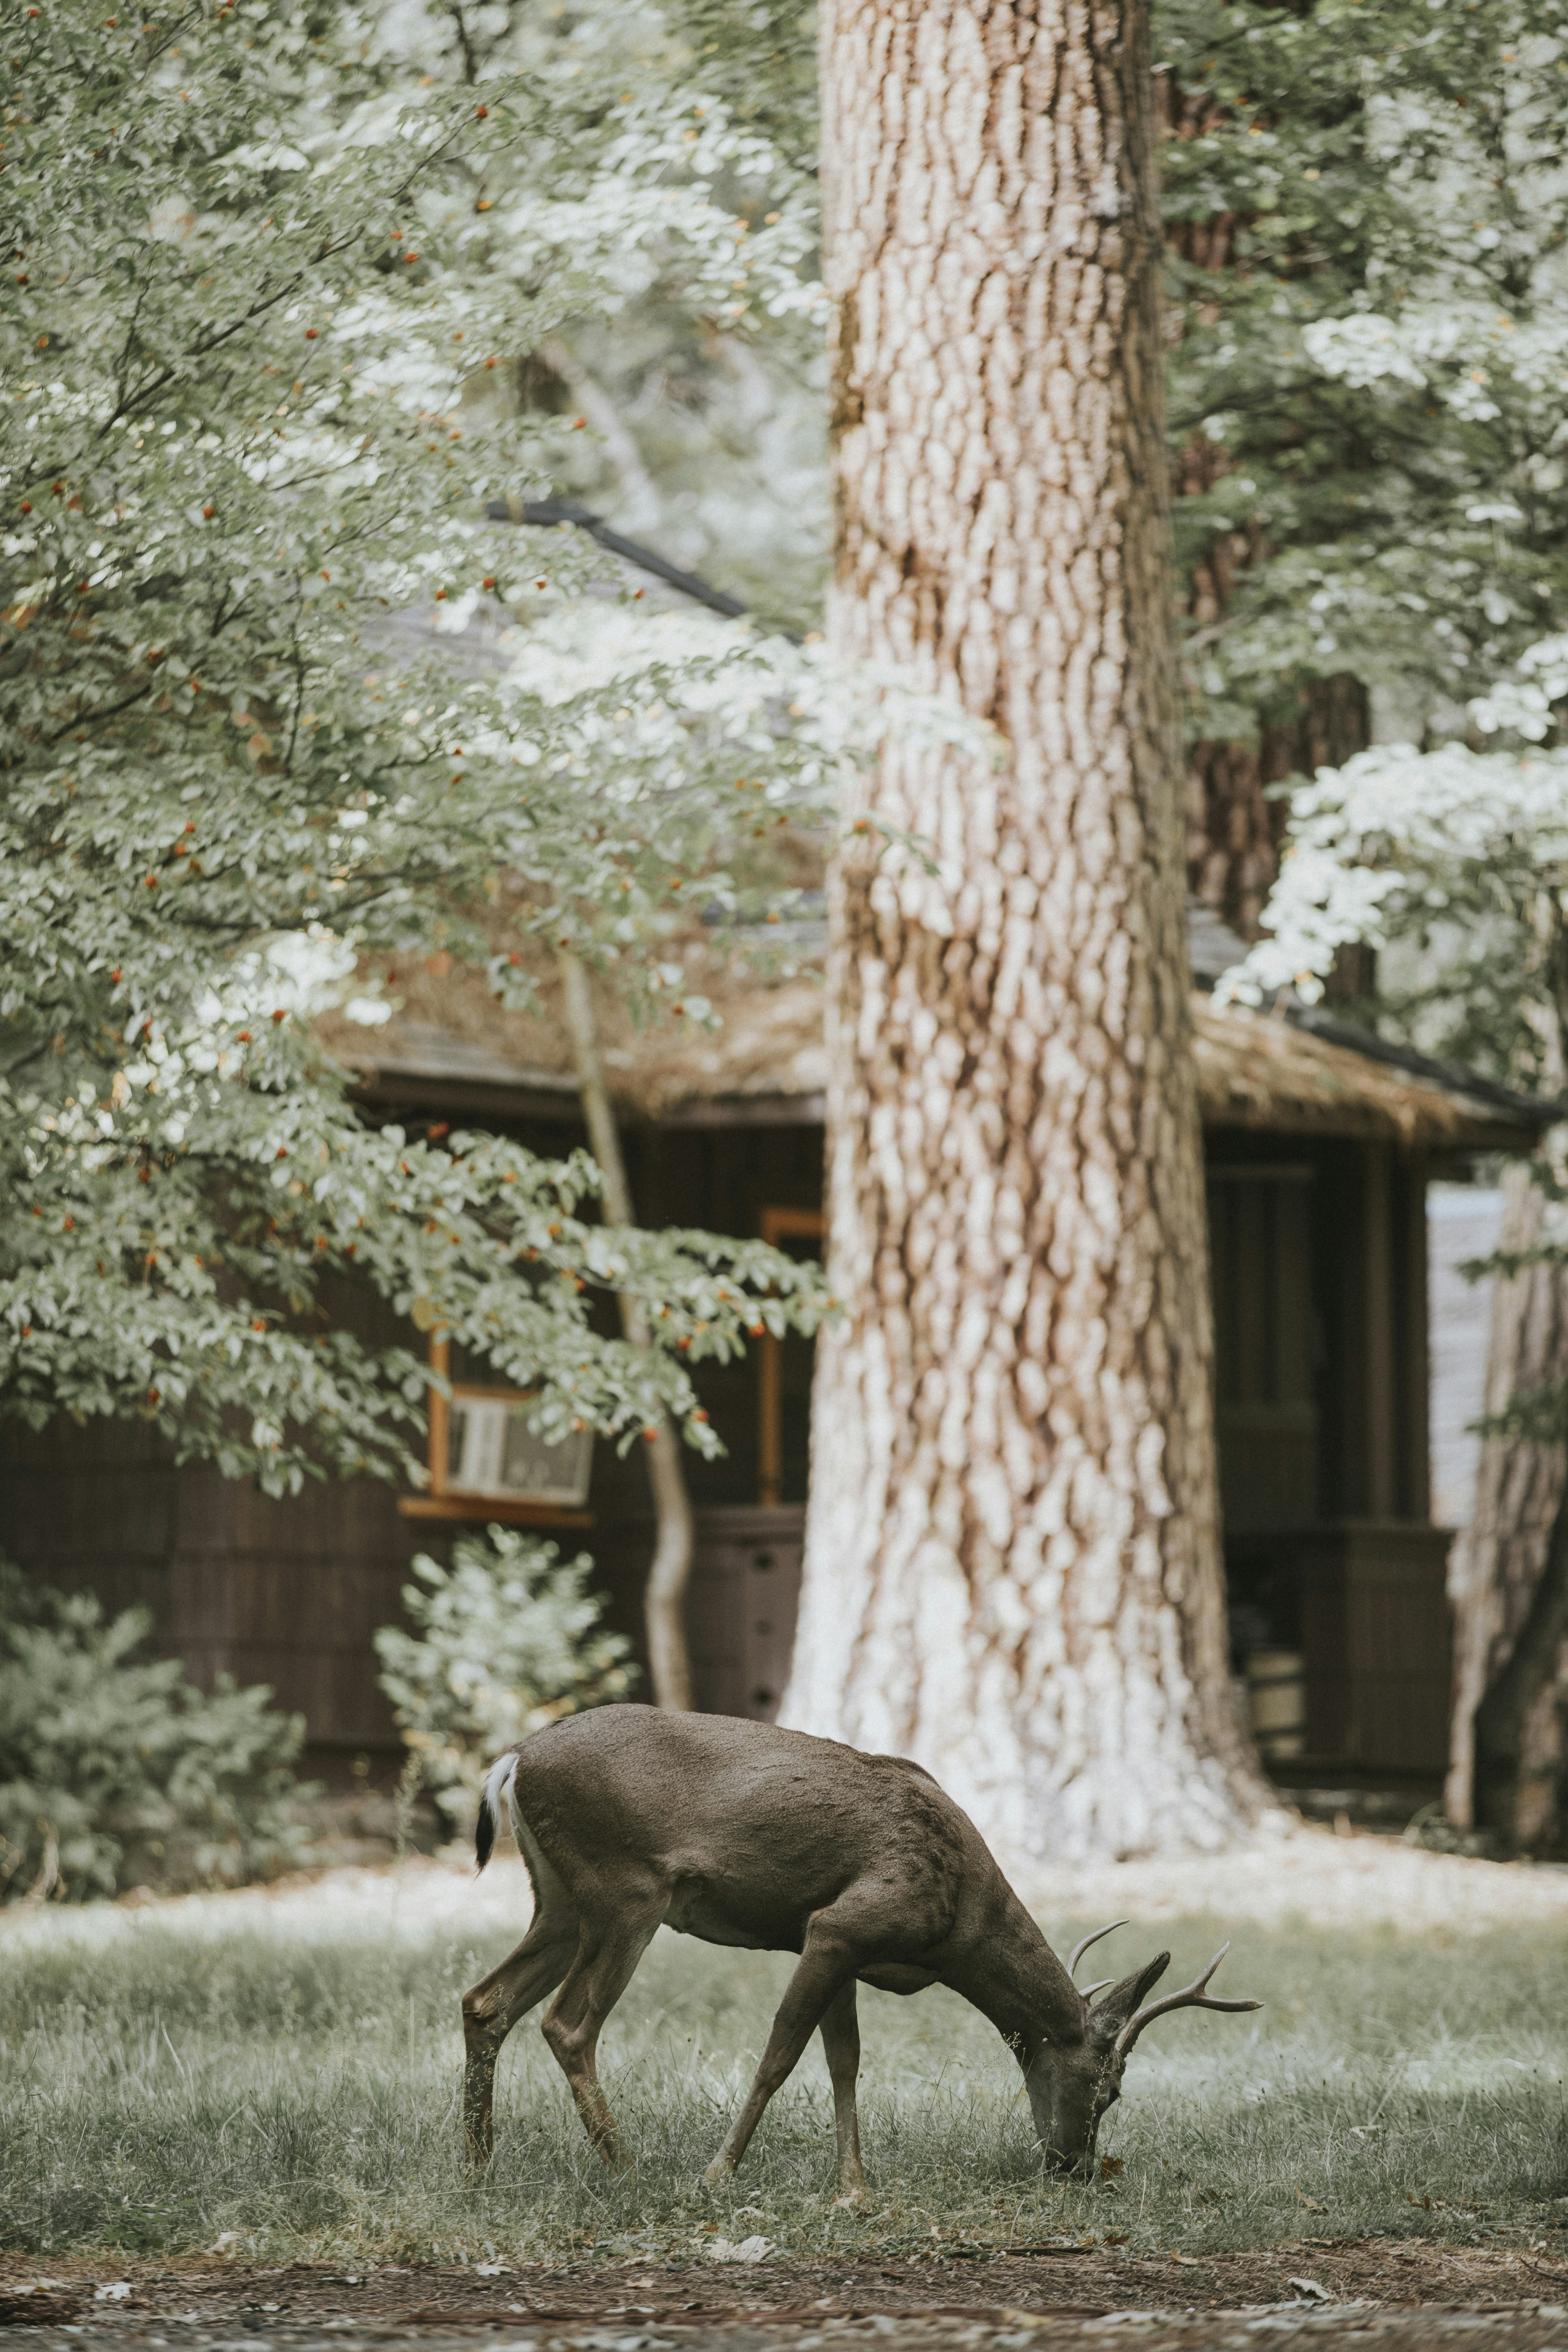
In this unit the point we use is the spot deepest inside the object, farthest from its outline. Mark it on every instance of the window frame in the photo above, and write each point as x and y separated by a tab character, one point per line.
438	1499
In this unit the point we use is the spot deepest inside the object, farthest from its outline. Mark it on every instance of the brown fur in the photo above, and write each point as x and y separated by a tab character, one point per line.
741	1834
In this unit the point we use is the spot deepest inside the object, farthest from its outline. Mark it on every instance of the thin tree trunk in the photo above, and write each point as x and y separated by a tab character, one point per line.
1012	1565
664	1600
1507	1760
641	491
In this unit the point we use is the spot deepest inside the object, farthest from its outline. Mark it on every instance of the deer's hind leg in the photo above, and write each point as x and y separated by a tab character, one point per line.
493	2006
840	2032
609	1946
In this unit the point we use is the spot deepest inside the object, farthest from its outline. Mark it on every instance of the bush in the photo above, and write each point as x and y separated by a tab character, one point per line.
115	1771
509	1638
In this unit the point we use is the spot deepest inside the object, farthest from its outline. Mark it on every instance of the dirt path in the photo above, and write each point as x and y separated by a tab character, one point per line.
1060	2299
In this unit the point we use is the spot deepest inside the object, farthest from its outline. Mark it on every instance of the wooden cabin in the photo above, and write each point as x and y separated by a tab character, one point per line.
1320	1141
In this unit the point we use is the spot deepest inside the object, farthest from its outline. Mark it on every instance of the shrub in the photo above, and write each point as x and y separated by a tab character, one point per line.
114	1771
508	1638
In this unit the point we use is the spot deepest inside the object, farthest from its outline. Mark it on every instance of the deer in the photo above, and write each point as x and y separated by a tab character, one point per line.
739	1832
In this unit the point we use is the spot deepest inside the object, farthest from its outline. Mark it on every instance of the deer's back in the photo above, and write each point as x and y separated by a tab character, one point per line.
748	1829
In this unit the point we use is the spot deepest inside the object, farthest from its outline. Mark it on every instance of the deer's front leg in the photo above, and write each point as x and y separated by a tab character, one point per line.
491	2010
824	1965
841	2046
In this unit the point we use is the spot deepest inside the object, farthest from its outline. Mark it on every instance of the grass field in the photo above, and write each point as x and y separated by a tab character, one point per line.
170	2075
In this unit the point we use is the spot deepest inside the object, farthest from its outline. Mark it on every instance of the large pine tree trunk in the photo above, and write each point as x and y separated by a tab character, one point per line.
1011	1568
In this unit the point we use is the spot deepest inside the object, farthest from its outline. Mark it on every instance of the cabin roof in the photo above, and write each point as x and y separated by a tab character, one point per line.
452	1047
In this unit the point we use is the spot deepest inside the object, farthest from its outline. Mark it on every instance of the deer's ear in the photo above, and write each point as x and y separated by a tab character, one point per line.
1108	2017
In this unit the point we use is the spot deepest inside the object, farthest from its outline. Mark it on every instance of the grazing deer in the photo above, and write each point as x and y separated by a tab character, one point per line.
741	1834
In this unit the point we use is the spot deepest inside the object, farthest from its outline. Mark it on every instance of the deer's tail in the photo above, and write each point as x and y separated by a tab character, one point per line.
497	1792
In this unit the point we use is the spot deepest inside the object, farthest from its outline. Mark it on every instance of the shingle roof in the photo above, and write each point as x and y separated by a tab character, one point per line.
452	1047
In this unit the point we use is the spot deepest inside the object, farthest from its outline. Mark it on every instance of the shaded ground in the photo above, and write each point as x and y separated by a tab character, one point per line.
1406	2296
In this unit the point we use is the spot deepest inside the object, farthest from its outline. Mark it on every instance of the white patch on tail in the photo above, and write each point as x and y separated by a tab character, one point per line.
498	1789
499	1779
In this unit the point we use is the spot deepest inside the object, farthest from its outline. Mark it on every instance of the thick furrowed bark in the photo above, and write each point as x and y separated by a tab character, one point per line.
1012	1570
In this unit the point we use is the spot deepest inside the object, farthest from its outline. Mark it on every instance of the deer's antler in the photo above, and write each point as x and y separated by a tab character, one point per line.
1192	1996
1084	1942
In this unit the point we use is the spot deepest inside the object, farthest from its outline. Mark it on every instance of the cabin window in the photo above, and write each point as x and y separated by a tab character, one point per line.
784	1376
485	1462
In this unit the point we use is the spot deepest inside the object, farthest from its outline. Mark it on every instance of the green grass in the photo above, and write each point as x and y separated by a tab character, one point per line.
164	2077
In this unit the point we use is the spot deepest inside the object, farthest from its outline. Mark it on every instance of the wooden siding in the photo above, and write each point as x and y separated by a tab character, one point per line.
1319	1288
286	1594
1376	1633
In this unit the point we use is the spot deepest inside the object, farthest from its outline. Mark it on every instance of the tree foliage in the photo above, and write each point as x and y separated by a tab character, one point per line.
1453	863
263	280
1376	366
291	296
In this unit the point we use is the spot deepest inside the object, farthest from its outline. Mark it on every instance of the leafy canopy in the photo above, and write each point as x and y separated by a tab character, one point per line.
261	283
1367	214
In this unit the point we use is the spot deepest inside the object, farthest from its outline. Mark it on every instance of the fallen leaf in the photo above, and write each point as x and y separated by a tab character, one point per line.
1311	2288
1110	2167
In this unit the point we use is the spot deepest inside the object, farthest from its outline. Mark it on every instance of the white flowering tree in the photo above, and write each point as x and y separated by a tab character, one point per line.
1453	863
262	281
1365	223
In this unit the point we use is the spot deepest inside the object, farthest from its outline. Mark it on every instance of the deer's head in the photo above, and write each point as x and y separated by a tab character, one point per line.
1074	2079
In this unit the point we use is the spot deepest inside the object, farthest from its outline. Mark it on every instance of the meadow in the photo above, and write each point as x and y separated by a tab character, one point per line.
171	2076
